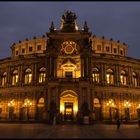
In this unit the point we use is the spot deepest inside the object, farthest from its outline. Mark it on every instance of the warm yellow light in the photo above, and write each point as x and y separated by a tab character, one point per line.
107	104
75	108
61	108
107	75
8	104
124	104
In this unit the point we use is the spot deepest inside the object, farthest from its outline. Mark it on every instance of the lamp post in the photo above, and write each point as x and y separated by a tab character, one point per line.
110	104
11	109
27	104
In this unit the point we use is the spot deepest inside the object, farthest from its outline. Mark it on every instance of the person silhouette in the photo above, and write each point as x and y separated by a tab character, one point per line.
118	123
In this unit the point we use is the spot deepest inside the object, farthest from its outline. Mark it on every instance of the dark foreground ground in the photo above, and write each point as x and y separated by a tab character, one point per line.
38	130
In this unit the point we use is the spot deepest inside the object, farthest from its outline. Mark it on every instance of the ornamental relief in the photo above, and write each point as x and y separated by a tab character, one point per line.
68	48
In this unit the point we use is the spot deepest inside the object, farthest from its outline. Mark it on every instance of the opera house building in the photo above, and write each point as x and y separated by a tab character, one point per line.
68	74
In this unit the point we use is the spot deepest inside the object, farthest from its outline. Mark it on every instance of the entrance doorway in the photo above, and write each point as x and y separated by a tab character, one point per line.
68	113
68	106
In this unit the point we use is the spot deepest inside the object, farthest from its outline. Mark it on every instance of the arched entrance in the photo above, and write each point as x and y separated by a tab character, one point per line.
68	105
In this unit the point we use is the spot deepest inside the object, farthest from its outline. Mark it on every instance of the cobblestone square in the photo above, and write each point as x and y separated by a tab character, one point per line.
8	130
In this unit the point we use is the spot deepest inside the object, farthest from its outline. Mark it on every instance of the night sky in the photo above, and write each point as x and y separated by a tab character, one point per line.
117	20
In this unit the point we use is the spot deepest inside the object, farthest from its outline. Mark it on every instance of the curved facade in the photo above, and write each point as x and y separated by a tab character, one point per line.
69	73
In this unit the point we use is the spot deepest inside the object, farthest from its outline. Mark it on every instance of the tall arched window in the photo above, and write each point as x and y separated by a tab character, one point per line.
28	76
134	79
15	77
95	75
110	76
4	78
42	75
123	77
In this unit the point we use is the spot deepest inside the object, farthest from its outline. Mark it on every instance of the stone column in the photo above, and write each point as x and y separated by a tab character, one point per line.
8	76
117	74
35	74
21	78
82	66
102	74
129	76
90	67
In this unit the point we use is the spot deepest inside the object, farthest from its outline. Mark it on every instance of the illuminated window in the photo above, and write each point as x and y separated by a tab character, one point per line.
134	79
96	102
4	79
95	75
15	77
41	102
123	77
42	75
28	76
109	76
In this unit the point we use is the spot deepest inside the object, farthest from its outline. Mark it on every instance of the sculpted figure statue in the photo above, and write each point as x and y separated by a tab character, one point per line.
69	17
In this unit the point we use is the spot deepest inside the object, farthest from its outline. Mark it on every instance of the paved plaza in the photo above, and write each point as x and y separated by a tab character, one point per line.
38	130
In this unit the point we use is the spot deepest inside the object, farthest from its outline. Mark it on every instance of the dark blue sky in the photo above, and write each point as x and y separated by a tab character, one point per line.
117	20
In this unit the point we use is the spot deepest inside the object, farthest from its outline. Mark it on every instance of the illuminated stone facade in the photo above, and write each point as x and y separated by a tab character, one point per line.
59	74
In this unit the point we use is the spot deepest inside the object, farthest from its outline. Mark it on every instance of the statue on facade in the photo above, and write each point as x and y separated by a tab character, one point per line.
68	22
69	17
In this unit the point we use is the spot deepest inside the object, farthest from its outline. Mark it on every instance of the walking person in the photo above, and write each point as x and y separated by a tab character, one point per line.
118	123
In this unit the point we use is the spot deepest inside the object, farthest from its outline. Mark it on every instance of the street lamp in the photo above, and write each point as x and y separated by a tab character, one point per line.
127	104
11	109
110	104
27	104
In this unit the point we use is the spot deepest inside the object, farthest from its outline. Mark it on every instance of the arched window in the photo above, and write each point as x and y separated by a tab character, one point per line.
109	76
28	76
123	77
4	78
41	102
15	77
95	75
42	75
134	79
96	102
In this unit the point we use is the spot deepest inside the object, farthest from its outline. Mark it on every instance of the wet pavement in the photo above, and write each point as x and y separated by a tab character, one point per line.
38	130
